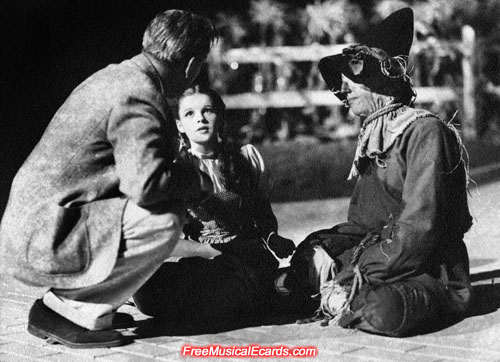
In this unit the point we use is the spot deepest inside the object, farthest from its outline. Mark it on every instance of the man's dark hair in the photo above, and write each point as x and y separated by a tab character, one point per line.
175	36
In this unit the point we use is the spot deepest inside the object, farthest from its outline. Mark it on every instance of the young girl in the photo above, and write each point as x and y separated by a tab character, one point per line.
223	264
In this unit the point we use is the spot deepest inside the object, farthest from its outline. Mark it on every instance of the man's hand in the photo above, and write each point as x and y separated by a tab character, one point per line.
189	248
281	246
208	252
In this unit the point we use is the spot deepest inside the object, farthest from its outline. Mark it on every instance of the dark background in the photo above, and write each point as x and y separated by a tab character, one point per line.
49	46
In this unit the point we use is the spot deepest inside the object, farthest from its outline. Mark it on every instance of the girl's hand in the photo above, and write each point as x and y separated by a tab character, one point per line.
281	246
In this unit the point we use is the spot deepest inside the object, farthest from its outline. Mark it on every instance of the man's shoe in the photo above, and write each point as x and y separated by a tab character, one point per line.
44	323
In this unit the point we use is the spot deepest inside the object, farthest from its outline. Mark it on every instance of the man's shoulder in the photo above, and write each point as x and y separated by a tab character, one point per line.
130	73
129	78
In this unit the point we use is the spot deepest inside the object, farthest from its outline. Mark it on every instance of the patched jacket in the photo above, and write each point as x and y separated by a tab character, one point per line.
415	197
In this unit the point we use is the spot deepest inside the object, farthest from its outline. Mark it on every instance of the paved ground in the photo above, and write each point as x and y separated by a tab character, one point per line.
474	339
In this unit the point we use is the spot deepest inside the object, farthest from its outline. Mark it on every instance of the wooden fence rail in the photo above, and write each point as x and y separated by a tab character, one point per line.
313	53
278	55
308	98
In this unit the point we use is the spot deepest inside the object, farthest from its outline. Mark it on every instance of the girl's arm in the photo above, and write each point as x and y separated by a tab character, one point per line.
265	219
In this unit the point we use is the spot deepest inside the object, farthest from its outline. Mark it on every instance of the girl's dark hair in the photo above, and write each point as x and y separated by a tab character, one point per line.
237	172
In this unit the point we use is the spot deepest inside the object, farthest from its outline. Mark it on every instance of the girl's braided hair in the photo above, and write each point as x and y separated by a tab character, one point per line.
236	170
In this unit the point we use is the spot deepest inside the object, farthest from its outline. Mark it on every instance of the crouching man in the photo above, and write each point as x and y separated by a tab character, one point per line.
99	203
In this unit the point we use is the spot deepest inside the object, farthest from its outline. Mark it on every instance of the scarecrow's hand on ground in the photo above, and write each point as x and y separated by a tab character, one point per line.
281	246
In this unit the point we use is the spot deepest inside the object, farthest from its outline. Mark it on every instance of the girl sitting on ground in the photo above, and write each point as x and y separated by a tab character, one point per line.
223	266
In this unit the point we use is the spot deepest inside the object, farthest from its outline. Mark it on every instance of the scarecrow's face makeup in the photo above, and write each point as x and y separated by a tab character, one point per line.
360	99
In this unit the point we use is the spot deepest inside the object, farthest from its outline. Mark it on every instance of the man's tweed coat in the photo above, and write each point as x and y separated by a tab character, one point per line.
112	140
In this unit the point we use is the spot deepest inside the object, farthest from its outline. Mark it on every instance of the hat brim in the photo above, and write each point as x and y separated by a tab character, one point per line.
394	35
334	66
331	70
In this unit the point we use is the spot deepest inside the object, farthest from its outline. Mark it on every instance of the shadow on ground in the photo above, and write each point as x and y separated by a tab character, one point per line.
152	327
486	297
286	312
486	300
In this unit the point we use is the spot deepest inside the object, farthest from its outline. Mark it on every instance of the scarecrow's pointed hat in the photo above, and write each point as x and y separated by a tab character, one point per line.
382	59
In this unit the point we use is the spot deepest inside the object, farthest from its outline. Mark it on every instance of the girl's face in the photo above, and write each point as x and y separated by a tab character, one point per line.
198	120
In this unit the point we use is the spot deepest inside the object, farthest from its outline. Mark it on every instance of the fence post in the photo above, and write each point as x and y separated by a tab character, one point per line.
470	122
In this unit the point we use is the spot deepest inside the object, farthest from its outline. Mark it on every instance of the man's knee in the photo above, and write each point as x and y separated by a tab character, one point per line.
141	223
395	309
149	234
383	309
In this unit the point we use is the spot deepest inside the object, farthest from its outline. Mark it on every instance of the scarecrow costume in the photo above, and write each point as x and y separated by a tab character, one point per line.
399	265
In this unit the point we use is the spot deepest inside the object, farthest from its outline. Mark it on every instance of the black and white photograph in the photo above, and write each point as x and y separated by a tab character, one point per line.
309	180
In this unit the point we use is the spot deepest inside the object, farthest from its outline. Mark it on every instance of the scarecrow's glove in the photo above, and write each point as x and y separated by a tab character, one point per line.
281	246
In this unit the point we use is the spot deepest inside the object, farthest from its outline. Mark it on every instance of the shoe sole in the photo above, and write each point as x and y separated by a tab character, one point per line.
52	339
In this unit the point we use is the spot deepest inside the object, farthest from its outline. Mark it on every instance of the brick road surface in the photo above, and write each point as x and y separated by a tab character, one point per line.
477	338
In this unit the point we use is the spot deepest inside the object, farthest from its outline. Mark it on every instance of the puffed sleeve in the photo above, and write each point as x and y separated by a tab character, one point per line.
141	131
431	213
253	156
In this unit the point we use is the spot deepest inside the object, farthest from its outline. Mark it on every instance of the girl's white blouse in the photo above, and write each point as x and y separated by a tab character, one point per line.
211	166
